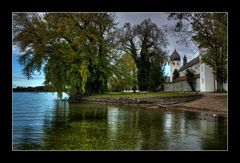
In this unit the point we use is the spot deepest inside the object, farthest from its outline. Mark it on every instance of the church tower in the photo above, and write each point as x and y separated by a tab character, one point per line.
184	60
174	63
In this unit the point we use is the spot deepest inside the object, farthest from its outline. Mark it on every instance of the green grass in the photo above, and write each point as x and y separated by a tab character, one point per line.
142	95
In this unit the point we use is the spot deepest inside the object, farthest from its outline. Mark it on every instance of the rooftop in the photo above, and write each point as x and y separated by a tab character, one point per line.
189	64
184	78
175	56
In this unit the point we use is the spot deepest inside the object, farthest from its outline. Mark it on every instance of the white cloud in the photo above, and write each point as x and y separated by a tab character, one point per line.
15	50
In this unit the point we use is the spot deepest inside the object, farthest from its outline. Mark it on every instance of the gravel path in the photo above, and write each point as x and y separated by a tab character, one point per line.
210	102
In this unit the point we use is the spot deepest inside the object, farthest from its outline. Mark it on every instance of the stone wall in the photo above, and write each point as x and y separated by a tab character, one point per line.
181	86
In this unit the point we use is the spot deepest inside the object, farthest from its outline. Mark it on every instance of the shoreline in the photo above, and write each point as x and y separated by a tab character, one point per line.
149	100
173	107
210	104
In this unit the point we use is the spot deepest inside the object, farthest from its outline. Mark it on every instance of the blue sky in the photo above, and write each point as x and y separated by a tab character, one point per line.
18	79
134	18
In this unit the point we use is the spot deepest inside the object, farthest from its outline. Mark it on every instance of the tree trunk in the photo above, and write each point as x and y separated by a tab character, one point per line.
140	80
220	80
75	98
192	87
143	77
219	85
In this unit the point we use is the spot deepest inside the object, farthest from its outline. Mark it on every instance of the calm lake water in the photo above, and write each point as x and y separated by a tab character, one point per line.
42	122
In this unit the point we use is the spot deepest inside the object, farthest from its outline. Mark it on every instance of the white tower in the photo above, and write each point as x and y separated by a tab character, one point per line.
174	63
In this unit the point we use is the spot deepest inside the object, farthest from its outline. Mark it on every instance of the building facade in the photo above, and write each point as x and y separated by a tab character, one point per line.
204	77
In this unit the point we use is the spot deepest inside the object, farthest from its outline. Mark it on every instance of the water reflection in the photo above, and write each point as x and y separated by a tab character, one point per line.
58	125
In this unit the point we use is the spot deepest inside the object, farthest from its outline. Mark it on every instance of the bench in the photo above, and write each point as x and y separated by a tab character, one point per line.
142	92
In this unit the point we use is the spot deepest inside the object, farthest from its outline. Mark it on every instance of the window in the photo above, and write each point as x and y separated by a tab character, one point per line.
177	63
202	68
202	80
173	63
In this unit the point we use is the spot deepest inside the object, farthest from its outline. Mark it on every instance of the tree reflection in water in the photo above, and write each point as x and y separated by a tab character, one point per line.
117	127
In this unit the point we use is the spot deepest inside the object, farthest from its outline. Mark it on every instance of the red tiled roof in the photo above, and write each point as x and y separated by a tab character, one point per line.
183	78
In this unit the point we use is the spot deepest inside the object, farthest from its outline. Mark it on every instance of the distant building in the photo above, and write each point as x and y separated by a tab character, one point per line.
204	78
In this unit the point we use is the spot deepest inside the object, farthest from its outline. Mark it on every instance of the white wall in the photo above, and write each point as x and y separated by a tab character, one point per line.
173	67
195	68
206	78
197	84
182	73
225	86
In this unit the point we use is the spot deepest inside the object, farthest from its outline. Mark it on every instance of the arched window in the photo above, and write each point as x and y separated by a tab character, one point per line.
173	63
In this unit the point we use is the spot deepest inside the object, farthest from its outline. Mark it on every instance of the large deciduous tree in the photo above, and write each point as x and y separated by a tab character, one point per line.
209	31
124	73
73	49
190	78
146	43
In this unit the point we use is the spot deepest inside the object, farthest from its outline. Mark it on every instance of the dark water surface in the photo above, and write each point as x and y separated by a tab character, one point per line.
41	122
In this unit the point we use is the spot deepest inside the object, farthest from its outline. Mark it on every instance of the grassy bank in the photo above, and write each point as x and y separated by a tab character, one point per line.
116	95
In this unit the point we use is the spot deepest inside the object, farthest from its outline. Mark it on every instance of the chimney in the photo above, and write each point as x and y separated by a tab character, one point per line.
184	60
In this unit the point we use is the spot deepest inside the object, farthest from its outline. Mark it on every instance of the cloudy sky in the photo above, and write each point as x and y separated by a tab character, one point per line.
159	18
133	18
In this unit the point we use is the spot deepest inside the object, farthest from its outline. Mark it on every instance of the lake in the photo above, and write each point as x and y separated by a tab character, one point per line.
42	122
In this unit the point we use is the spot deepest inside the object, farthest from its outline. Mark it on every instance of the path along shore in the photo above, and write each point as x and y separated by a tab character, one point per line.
215	103
210	104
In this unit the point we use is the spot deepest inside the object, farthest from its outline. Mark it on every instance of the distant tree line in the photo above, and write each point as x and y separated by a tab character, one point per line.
32	89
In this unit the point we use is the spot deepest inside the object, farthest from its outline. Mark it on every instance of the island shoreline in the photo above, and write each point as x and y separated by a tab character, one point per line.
192	103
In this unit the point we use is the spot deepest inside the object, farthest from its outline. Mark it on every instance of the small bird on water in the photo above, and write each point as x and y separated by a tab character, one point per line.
203	116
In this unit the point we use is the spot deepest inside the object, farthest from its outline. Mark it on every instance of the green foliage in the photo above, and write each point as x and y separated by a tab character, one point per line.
175	74
209	31
145	42
84	75
74	49
124	73
157	71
